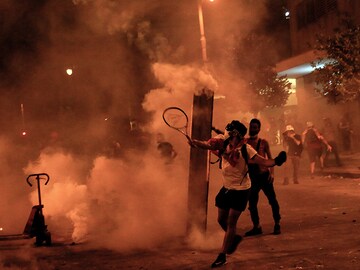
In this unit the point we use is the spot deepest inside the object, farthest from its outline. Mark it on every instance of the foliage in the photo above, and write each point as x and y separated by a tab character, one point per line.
337	69
255	57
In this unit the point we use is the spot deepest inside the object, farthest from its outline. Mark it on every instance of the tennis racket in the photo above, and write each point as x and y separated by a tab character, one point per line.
177	119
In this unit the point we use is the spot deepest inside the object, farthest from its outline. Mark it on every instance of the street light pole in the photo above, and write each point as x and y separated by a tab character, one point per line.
202	32
199	160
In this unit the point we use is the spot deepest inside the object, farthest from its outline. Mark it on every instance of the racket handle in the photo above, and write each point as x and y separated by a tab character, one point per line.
217	131
190	141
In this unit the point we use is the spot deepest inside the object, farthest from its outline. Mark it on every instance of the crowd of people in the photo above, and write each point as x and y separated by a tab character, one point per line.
320	144
248	168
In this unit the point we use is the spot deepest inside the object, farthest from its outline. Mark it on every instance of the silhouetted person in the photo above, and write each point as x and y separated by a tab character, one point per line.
329	133
166	149
262	178
296	124
293	147
313	141
345	128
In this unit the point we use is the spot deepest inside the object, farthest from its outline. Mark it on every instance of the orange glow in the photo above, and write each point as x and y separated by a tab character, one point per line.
23	133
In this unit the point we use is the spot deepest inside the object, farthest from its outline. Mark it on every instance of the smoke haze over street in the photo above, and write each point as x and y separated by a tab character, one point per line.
129	60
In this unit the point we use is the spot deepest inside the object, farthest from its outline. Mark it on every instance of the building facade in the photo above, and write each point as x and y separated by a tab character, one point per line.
308	19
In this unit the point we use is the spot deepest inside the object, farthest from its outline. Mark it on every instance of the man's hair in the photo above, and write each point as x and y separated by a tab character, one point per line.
255	121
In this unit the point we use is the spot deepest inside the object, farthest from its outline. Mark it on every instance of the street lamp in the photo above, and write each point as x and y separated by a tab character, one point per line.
202	32
69	71
22	119
199	160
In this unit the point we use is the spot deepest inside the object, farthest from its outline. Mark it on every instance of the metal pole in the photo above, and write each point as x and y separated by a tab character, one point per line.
199	159
202	32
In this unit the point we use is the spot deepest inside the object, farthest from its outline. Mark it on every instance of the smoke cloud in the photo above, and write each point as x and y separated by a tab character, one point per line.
129	61
94	131
119	205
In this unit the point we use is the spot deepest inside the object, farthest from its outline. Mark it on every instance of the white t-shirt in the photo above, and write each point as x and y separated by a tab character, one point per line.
234	167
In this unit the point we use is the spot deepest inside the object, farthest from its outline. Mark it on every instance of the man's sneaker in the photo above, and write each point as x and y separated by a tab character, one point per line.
235	243
254	231
277	229
220	260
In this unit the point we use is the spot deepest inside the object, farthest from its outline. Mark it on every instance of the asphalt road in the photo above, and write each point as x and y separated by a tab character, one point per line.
320	230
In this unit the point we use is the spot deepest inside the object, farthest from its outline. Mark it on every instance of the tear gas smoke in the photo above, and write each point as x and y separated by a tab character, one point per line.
130	60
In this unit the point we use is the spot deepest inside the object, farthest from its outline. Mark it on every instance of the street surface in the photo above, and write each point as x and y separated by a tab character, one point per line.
320	230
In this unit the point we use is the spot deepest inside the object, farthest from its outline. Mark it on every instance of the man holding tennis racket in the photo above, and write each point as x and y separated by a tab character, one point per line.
232	198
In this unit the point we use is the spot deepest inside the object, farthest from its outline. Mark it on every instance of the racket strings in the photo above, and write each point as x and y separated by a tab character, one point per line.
175	120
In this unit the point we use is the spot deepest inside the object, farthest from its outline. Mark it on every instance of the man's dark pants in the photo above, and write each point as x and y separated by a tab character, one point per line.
262	182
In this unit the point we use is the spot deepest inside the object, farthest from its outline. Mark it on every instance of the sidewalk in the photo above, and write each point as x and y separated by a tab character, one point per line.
350	164
349	169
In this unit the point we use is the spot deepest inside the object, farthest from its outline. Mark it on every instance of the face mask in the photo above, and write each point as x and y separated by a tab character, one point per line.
232	133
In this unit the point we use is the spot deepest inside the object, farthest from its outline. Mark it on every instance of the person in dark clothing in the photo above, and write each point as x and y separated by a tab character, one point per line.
346	131
262	178
314	142
166	149
293	147
328	131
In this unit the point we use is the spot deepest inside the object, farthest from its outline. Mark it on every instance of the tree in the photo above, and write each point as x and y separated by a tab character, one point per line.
337	68
255	57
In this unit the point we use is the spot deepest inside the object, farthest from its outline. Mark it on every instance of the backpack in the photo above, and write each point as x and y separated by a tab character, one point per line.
311	137
311	140
244	154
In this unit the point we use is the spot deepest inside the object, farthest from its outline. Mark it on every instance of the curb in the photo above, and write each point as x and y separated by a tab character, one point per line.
341	174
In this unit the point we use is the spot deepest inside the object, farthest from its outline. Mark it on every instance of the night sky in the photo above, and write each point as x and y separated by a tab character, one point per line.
110	45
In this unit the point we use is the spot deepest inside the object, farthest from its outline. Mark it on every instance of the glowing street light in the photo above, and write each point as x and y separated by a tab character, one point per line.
202	31
22	119
69	71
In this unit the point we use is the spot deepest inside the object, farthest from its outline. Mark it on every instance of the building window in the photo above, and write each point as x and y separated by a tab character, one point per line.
309	11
